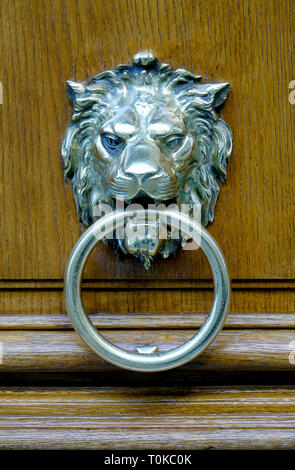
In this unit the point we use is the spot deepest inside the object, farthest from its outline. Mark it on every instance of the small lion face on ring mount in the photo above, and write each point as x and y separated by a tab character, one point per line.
146	134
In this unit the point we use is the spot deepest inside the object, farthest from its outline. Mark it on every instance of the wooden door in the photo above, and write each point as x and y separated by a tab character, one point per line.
240	378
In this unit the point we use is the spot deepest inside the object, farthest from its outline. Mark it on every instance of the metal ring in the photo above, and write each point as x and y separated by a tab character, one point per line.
142	361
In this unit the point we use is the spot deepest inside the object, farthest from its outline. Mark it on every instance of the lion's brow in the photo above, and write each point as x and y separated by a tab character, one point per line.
122	129
163	129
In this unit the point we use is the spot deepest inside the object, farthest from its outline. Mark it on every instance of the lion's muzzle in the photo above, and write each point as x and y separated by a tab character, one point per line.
141	161
142	170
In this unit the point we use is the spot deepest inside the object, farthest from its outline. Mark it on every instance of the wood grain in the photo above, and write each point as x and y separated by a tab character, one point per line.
148	418
233	350
249	44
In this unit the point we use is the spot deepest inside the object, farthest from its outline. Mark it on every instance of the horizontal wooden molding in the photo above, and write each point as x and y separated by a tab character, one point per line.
147	418
233	350
146	321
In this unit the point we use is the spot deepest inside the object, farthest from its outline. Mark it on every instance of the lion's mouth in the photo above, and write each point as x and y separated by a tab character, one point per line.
146	202
161	187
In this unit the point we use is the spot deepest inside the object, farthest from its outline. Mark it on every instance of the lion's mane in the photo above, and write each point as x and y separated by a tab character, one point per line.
197	103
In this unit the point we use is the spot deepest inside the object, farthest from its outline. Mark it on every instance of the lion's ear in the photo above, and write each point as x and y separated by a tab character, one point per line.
219	91
213	94
75	89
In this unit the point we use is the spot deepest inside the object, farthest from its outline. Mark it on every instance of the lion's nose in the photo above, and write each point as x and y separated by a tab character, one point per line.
140	160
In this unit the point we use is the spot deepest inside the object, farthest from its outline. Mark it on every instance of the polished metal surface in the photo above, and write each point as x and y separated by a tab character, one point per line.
146	358
149	134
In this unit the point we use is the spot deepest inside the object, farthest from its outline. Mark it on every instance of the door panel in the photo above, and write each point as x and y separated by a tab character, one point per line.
248	44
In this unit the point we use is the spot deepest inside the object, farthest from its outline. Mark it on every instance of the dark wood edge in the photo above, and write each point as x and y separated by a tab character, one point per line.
236	284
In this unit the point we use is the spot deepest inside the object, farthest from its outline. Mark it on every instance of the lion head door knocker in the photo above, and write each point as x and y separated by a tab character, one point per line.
144	148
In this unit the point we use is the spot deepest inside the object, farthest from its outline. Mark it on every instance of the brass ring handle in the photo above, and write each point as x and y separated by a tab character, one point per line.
142	360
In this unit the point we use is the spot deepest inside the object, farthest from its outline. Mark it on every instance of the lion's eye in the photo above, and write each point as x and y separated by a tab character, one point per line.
111	141
173	141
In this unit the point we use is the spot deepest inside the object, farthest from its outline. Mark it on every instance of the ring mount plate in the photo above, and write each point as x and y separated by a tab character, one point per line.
146	358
